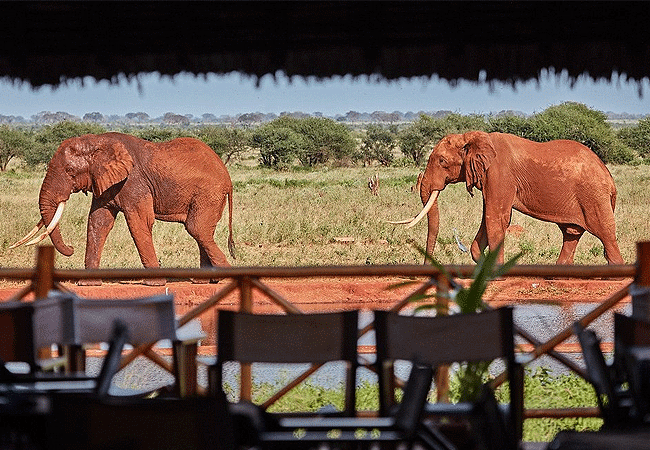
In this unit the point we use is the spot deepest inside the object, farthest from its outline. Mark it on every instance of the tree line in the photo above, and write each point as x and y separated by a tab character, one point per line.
289	141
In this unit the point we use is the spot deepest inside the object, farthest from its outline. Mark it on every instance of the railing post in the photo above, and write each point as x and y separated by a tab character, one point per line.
44	277
246	305
43	283
640	289
442	307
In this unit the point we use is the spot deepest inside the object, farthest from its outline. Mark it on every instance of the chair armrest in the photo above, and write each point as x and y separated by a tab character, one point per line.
448	409
190	333
326	423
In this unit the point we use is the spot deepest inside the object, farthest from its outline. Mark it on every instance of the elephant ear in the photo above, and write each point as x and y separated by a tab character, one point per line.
111	164
479	154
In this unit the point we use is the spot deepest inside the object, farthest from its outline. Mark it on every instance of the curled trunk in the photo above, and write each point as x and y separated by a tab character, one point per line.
55	235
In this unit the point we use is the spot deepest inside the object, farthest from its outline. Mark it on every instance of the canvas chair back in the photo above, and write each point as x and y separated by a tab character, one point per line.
68	319
290	339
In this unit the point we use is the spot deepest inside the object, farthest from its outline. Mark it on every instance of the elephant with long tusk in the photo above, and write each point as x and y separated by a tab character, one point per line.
182	180
559	181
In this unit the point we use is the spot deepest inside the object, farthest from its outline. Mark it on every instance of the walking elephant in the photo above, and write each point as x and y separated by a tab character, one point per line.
560	181
182	180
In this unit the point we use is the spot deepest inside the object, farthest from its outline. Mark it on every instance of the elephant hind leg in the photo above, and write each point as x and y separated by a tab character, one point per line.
201	228
571	235
612	252
605	230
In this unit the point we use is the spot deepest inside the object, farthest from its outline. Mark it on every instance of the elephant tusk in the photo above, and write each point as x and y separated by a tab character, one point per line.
55	221
411	222
425	210
29	235
399	222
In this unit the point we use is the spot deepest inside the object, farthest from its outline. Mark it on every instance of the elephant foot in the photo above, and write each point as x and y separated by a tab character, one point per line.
154	281
89	282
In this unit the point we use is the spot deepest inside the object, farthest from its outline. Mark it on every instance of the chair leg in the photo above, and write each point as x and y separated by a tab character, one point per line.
185	369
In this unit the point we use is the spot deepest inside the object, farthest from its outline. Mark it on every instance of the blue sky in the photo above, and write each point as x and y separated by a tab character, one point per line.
233	94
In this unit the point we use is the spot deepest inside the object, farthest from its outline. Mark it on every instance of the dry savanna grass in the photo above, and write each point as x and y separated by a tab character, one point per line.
323	217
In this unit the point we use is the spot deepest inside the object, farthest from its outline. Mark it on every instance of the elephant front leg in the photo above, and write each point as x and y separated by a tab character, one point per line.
433	226
100	223
480	242
497	213
140	229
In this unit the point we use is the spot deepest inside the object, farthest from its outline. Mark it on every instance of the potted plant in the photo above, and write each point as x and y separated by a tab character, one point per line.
468	299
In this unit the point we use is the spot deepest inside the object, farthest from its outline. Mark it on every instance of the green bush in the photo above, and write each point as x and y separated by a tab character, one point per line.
312	141
517	125
324	140
160	134
637	137
48	138
577	122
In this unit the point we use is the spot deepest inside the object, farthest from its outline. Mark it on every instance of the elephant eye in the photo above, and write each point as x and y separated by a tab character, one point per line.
443	162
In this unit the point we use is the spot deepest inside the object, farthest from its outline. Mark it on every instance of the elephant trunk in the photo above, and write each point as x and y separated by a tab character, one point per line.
54	193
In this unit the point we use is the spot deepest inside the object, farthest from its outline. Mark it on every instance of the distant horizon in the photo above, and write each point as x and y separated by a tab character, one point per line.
405	116
235	94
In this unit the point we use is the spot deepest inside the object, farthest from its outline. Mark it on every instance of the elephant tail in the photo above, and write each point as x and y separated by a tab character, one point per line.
231	241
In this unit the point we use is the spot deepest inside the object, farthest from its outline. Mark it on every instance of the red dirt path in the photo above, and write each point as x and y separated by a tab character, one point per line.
344	293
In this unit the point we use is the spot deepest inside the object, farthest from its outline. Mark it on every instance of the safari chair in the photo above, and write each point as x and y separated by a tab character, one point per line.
22	335
615	404
442	340
632	360
17	343
289	339
286	340
623	410
27	400
75	322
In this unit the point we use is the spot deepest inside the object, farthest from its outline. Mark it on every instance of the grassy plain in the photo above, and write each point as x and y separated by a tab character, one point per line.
296	218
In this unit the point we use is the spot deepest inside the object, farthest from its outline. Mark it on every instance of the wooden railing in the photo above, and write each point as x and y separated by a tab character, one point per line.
45	277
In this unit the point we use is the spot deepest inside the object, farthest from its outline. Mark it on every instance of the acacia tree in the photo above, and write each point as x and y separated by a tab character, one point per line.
278	146
226	142
325	140
13	143
416	139
378	145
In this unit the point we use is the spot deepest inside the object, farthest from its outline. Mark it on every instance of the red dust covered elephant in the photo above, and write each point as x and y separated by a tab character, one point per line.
182	180
559	181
